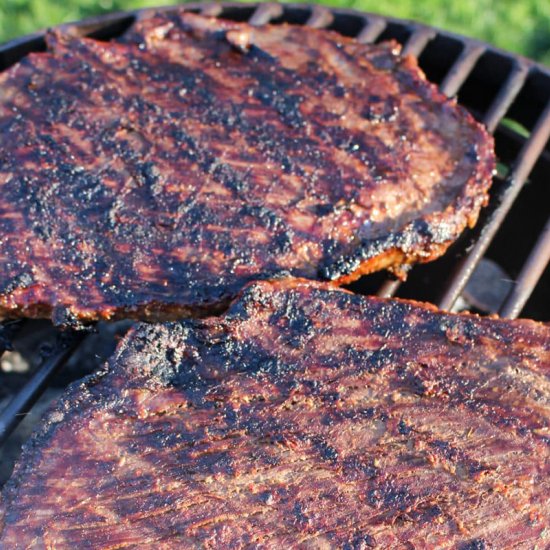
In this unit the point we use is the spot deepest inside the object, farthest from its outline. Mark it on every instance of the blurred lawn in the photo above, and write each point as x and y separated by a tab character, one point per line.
522	26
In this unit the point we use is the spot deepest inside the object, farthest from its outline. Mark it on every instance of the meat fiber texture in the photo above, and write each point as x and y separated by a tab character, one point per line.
155	175
306	417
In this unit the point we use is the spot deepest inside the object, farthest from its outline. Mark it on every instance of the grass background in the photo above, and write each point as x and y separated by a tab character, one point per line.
521	26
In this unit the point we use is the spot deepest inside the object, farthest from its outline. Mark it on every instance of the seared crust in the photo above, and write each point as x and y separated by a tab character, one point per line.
306	417
154	176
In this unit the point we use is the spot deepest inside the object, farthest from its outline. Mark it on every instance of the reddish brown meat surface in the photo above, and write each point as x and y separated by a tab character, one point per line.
154	176
306	417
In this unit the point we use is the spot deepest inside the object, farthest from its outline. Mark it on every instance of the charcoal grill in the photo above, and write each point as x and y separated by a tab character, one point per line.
509	94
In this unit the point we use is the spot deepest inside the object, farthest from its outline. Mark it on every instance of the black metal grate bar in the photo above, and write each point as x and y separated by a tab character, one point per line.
211	9
23	401
506	96
514	182
388	288
265	13
462	68
320	18
529	276
419	40
373	28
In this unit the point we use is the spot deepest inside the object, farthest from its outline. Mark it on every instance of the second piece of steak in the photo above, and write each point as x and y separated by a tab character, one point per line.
306	417
154	176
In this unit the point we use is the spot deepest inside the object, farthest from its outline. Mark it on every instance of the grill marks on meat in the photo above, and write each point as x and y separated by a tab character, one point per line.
306	416
156	175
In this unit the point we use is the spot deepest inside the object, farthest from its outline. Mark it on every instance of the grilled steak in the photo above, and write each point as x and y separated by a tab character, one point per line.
305	417
154	176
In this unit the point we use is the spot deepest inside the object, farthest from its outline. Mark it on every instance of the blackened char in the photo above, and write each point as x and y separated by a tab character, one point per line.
306	417
153	176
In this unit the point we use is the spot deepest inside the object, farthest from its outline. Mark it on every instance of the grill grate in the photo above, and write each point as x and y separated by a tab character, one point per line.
52	360
491	83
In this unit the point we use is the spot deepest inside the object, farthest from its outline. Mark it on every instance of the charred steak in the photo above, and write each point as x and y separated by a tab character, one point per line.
153	176
305	417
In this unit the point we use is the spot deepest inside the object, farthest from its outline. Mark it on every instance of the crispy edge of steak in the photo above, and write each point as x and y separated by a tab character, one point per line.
389	423
32	291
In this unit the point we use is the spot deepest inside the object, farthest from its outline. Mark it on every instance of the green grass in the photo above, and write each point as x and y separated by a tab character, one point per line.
521	26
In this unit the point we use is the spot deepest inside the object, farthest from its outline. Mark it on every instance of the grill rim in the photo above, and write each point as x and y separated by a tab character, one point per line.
373	26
